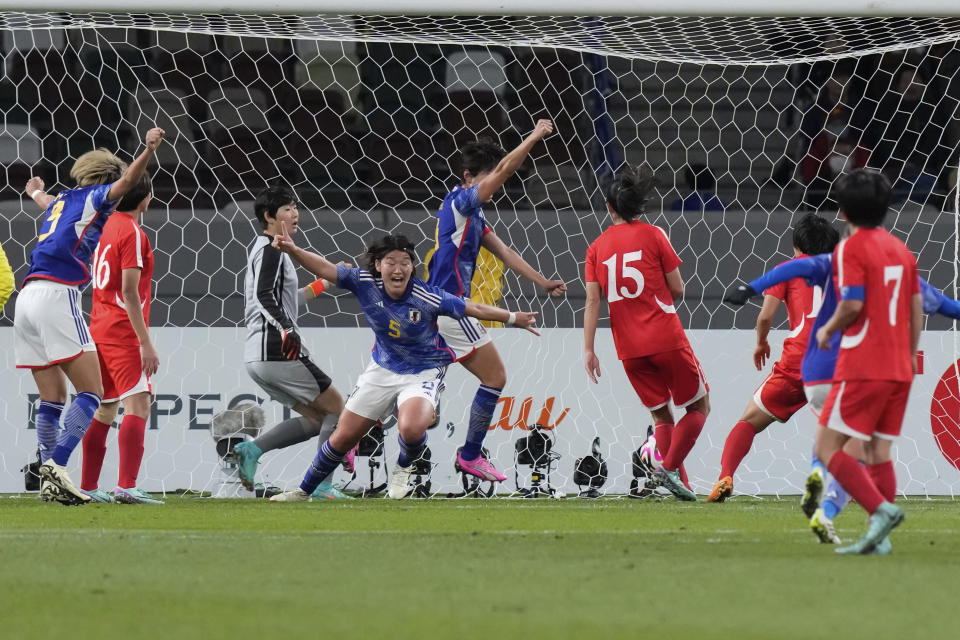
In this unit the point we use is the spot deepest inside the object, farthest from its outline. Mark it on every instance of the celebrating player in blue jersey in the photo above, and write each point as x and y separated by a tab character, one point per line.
410	357
818	370
50	335
461	231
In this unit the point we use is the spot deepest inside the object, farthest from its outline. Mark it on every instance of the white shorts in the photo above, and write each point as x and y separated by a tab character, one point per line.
463	336
817	397
48	325
379	389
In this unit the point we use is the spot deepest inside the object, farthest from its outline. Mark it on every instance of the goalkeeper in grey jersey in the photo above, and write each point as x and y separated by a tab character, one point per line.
274	356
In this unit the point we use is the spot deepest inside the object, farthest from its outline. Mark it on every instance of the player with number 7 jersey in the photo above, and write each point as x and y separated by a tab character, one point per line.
634	266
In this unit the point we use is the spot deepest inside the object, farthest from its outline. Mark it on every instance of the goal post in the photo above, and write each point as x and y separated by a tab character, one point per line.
362	114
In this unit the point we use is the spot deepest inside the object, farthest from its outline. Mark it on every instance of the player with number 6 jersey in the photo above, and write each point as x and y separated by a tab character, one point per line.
634	266
119	324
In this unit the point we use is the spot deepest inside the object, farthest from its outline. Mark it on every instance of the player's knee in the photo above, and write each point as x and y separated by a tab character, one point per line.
496	378
137	405
106	412
702	405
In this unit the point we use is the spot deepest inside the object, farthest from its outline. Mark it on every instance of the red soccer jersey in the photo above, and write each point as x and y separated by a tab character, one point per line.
123	245
802	302
630	262
873	266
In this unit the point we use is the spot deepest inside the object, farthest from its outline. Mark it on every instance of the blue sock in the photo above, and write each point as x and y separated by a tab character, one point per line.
326	460
410	452
835	499
75	424
816	464
481	412
48	427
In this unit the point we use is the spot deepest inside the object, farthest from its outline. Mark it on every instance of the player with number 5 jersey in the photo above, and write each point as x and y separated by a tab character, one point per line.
634	266
50	335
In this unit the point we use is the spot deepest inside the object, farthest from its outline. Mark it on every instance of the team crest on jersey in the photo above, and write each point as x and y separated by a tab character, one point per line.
414	315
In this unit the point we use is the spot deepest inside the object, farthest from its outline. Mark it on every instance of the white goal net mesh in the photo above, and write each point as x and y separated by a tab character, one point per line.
746	123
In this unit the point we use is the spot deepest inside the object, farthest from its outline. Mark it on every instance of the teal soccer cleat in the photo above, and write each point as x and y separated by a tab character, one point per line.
99	495
882	522
671	480
134	496
327	491
246	455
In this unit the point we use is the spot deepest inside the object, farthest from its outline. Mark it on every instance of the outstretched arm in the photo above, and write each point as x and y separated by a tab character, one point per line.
515	262
511	162
315	264
523	319
135	171
815	269
591	316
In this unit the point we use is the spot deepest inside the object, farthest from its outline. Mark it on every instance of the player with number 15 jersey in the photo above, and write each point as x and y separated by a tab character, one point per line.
633	265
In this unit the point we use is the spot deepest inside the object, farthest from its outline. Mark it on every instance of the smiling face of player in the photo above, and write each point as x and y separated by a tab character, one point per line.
288	215
396	269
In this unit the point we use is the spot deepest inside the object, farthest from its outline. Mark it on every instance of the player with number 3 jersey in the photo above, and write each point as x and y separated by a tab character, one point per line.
634	266
50	335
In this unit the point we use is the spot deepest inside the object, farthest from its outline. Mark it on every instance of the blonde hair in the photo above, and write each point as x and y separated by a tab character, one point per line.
97	167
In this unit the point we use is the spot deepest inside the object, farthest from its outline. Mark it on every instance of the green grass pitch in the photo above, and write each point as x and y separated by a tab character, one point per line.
613	568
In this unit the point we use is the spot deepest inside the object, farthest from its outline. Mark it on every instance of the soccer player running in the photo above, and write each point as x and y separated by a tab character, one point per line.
781	394
119	325
50	335
879	316
461	231
410	357
274	354
633	265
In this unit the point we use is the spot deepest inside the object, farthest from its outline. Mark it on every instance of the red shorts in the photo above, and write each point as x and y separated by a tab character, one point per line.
866	408
661	376
121	371
780	395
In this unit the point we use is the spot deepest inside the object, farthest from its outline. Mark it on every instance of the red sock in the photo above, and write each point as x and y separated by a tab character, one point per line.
663	432
855	480
885	478
94	448
736	447
131	449
684	437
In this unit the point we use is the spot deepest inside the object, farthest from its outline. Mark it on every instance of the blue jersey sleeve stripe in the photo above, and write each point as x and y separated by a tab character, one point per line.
854	292
419	296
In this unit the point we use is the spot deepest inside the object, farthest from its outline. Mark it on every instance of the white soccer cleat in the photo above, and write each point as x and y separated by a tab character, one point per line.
400	482
58	478
822	527
297	495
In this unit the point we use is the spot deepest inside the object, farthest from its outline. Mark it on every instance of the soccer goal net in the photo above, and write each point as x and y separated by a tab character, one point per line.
746	122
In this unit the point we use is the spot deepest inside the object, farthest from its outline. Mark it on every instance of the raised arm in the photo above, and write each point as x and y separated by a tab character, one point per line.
523	319
134	172
315	264
37	192
916	326
511	162
515	262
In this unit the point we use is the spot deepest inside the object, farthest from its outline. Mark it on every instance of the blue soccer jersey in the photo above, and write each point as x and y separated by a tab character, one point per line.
460	230
69	235
819	364
406	329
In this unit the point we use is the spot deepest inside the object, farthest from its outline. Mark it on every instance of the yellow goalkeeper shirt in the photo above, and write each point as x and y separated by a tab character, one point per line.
6	279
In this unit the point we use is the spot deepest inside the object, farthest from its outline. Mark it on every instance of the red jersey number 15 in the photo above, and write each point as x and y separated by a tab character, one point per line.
627	272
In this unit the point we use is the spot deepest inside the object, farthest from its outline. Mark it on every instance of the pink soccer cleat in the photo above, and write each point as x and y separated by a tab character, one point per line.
347	463
481	468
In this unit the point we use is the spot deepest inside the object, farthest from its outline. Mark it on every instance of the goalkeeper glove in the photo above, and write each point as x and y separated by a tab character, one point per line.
290	347
739	295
